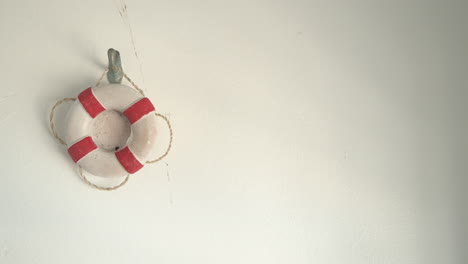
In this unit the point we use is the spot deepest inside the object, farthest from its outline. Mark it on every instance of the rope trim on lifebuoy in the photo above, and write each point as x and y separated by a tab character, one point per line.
93	107
51	118
125	156
169	146
100	187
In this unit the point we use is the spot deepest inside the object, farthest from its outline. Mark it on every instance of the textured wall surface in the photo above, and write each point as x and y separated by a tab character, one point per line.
305	132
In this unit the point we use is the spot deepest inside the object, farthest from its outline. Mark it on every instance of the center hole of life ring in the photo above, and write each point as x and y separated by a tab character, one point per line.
110	130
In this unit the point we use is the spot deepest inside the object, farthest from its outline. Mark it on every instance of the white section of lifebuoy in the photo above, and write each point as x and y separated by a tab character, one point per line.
100	161
116	97
78	123
143	138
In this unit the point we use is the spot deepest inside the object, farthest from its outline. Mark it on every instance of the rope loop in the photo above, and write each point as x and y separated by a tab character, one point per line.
170	140
51	118
100	187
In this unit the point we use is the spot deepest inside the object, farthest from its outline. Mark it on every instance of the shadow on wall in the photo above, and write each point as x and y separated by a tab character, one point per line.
461	194
444	186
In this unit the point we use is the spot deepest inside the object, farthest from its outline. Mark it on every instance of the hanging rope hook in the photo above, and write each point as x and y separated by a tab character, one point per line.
115	72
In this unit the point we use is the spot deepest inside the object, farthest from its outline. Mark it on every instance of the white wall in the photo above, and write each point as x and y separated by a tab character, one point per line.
305	132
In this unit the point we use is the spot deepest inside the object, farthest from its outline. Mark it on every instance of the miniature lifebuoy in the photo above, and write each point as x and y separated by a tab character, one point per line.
111	130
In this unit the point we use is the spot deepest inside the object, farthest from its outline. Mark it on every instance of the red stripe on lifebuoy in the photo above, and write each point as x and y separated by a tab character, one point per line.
128	160
138	110
90	103
81	148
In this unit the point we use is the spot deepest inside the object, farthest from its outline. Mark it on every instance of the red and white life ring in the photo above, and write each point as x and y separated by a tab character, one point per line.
106	115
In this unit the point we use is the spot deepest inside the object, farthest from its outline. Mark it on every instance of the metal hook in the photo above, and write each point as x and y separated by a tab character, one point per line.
115	73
